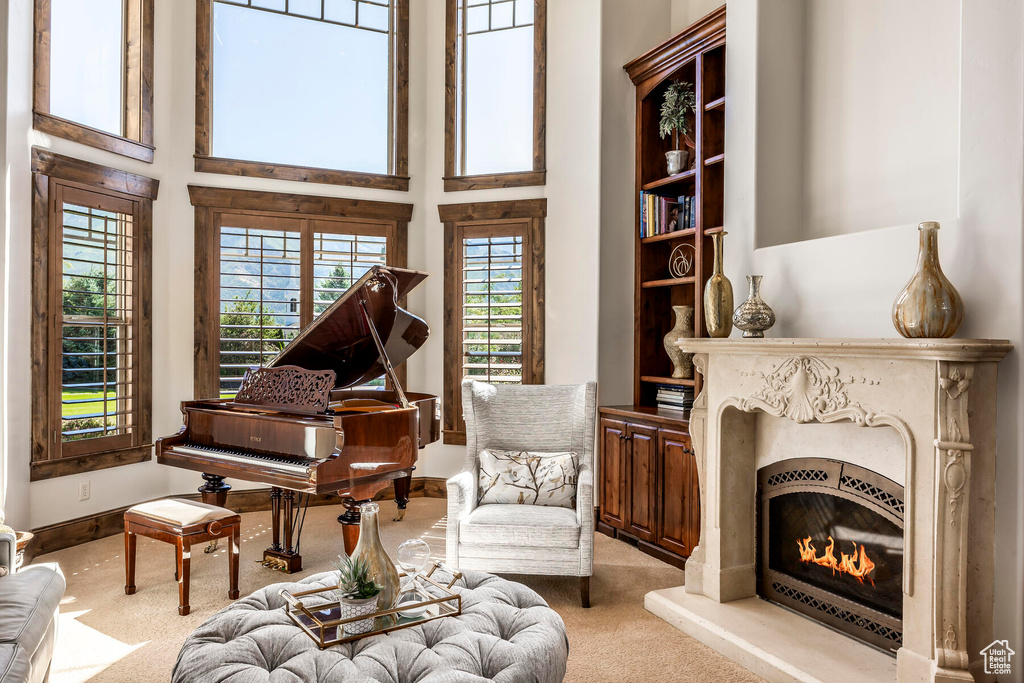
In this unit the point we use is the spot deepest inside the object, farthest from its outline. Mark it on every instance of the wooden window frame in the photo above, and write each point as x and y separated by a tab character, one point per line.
398	144
136	140
453	180
50	172
520	217
210	203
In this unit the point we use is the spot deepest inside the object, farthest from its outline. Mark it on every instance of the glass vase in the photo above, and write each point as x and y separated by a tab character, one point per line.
929	306
381	569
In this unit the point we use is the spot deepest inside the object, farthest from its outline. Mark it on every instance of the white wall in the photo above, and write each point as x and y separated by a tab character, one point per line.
843	127
573	139
626	33
843	286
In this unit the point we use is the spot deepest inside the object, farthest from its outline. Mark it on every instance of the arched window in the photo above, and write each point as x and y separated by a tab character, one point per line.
312	90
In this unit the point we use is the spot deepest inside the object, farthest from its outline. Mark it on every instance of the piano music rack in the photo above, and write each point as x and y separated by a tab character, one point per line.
321	621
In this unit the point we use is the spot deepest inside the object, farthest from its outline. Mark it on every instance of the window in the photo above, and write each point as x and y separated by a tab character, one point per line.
276	85
494	299
94	73
495	93
270	264
91	335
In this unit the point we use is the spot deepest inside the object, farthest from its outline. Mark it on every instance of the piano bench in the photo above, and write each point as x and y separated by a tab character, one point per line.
184	523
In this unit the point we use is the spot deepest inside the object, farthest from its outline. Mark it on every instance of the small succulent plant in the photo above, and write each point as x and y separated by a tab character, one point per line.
354	580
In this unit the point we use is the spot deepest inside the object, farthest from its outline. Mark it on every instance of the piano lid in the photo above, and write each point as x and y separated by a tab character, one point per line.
339	338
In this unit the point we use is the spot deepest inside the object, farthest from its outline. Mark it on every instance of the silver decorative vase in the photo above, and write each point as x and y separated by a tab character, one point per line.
754	316
682	363
929	306
676	160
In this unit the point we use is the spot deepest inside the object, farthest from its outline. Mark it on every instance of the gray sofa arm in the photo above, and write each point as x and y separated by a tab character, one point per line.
8	553
585	517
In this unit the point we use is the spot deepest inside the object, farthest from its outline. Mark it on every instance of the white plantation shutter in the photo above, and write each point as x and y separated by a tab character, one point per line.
277	275
492	309
97	327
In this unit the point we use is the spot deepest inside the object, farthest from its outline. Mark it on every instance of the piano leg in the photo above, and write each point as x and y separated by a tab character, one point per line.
275	519
279	556
402	486
289	510
214	491
350	523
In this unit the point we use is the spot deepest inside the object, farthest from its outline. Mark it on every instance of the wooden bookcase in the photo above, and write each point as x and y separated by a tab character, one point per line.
648	487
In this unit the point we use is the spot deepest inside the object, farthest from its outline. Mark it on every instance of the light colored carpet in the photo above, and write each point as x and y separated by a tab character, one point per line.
106	635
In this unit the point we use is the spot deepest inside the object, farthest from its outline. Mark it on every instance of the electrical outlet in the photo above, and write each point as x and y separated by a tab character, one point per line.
84	490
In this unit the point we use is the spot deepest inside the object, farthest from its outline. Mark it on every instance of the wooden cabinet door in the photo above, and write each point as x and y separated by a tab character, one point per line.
679	492
613	473
643	462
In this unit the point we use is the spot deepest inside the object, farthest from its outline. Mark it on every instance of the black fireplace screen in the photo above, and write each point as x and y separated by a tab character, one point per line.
838	545
830	545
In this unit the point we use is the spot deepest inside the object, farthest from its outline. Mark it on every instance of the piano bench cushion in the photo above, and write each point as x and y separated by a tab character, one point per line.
179	512
506	633
524	526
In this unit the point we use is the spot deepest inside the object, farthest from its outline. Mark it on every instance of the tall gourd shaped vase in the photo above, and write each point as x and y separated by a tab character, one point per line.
369	548
929	306
718	295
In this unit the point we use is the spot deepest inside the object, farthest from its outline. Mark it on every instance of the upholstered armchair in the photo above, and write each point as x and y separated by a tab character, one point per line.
525	539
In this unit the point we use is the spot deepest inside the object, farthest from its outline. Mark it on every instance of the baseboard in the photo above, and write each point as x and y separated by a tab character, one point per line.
110	522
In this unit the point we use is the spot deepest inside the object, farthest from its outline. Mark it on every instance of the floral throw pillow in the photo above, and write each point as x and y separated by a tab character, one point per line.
528	478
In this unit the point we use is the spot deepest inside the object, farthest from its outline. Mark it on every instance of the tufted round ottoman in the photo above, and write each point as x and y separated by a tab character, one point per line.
506	633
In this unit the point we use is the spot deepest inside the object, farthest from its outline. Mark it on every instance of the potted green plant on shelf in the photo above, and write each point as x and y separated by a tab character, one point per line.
677	113
357	593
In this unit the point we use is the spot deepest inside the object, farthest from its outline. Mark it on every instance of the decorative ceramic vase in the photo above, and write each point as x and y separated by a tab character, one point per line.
381	569
718	295
676	160
358	607
682	363
754	316
929	306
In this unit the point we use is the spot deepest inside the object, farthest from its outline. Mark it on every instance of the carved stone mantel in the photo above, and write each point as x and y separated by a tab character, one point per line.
920	389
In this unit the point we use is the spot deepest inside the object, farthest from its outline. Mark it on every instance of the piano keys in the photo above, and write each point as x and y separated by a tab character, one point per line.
303	425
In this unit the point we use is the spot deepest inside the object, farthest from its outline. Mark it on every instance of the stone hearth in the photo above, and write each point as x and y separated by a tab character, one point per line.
899	407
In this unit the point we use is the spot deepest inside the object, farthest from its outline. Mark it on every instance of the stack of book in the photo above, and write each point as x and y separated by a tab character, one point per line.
662	215
671	397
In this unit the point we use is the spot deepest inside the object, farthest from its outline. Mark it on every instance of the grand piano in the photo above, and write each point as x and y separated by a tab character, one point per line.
301	426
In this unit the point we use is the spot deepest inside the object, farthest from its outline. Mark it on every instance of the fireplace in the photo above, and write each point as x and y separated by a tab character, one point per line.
830	546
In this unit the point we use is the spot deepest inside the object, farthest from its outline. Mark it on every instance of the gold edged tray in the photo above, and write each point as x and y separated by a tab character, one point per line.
323	623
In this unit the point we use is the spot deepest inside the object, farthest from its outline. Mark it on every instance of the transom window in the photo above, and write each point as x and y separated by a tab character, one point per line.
93	67
495	93
286	85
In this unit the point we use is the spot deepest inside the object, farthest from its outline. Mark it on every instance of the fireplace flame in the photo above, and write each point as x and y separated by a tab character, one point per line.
856	565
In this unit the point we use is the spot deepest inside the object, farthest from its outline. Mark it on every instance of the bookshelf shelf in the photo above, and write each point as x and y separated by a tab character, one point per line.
668	282
715	104
679	179
712	231
717	159
689	232
650	379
